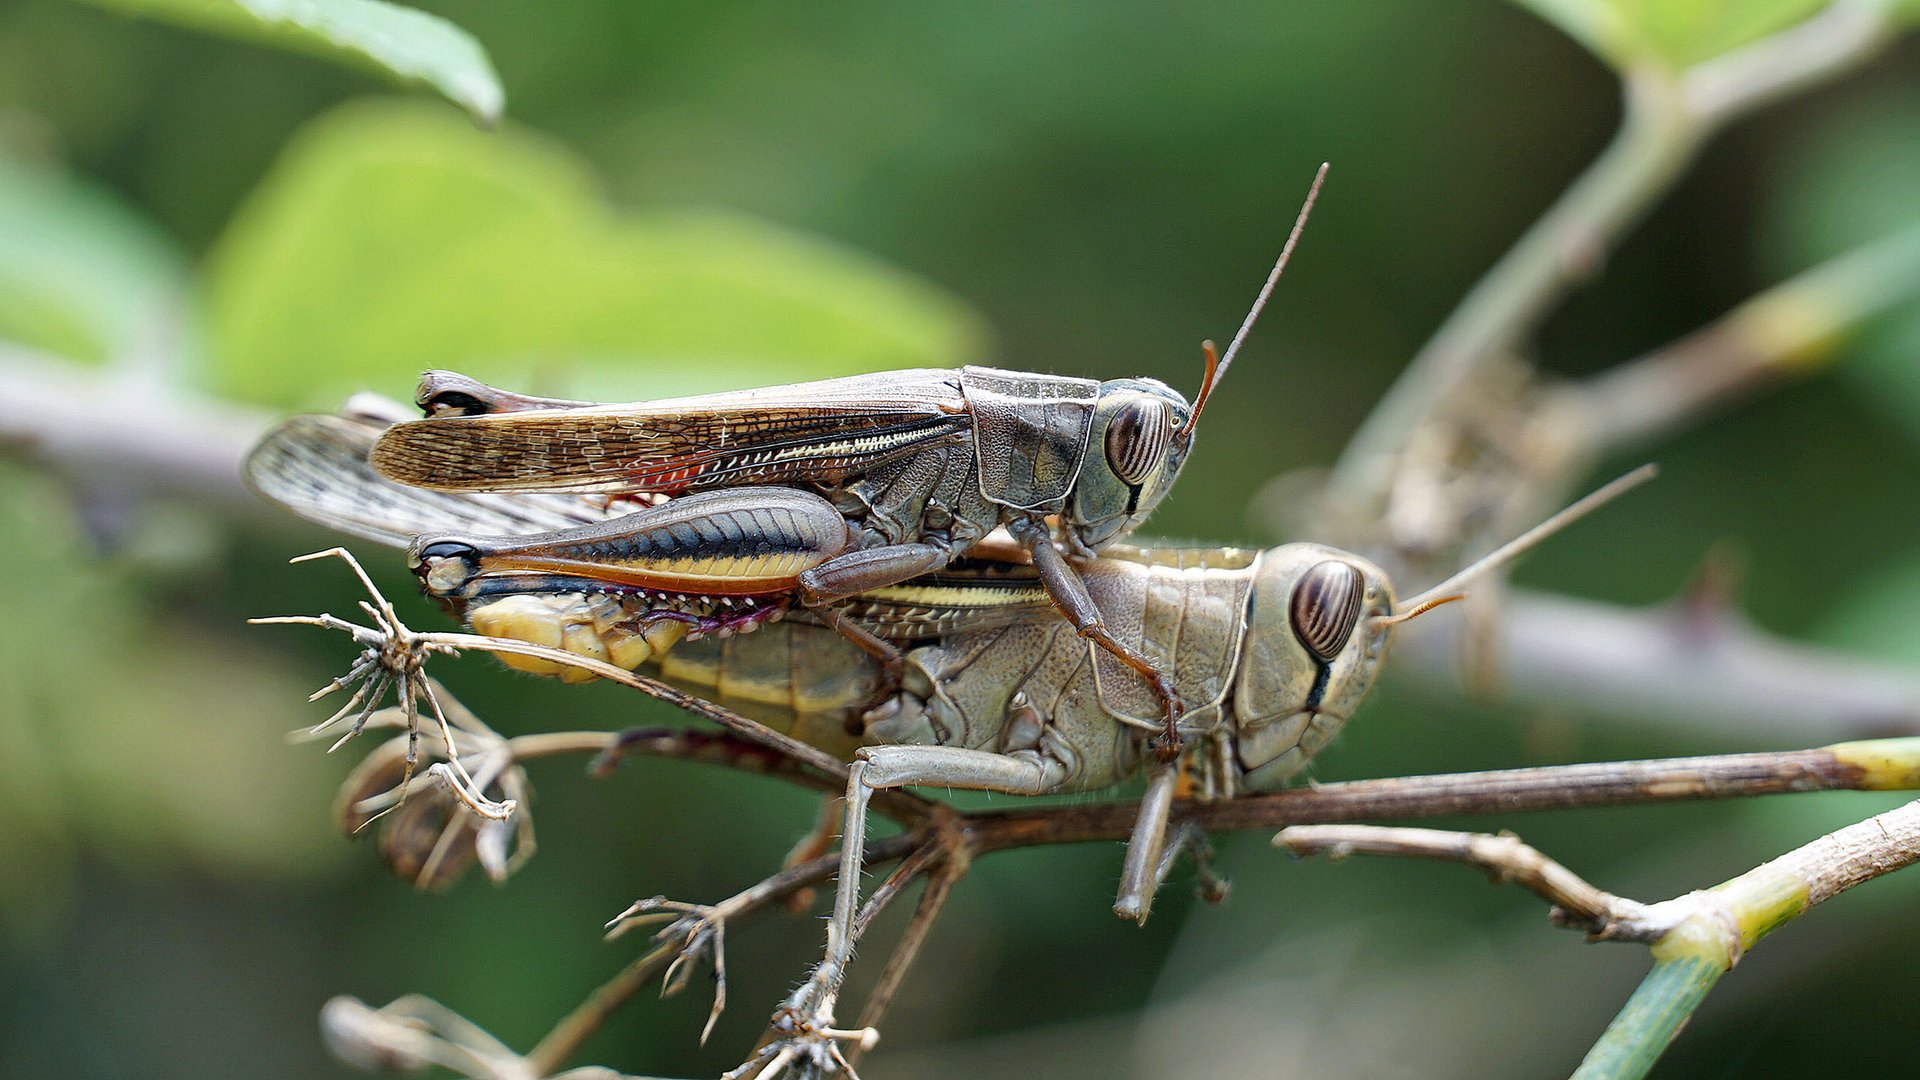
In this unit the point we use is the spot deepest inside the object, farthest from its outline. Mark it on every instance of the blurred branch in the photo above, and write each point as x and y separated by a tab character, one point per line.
1674	664
1695	938
1794	328
1668	117
110	429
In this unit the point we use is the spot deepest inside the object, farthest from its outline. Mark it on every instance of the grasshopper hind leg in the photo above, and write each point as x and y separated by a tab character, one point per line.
804	1025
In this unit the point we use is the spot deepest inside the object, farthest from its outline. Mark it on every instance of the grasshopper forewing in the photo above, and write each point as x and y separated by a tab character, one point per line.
923	464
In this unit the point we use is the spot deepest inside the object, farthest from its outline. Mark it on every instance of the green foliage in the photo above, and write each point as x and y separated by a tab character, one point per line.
127	735
1109	190
1674	33
391	239
1853	183
406	43
81	275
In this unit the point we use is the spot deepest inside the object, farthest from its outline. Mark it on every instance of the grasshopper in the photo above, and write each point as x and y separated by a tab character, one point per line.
922	465
1274	650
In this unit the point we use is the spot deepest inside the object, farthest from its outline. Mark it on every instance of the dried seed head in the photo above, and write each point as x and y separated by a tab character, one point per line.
432	835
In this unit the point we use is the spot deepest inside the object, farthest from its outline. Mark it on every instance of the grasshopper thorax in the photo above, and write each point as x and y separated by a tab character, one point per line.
1135	447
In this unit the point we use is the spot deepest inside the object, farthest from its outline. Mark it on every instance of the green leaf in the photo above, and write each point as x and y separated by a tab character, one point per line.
1674	33
409	44
81	275
392	238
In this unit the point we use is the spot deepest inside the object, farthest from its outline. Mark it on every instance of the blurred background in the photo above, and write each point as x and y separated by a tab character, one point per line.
702	196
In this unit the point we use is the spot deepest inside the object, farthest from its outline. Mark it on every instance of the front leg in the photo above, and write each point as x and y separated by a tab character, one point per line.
806	1033
1069	594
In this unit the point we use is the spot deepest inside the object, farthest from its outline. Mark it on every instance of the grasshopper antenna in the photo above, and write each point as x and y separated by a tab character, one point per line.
1217	364
1449	590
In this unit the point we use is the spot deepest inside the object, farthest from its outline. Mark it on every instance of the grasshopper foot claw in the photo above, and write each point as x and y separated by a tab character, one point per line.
691	931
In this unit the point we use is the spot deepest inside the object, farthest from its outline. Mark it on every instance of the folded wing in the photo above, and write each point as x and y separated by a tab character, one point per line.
821	432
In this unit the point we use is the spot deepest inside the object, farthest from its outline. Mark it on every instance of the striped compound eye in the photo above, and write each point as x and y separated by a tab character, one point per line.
1137	439
1325	607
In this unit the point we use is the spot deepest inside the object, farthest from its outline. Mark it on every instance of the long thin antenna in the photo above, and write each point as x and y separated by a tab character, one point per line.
1217	364
1523	543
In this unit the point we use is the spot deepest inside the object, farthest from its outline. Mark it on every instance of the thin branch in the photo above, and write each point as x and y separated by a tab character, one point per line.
1720	924
1695	938
727	749
940	882
1876	765
1504	857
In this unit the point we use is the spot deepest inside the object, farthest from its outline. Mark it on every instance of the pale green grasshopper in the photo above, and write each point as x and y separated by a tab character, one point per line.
1273	651
887	476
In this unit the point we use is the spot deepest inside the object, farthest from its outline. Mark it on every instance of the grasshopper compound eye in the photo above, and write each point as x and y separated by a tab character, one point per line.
444	566
1137	439
1325	607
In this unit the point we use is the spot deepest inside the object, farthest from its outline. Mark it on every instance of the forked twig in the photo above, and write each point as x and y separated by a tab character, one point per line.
1695	938
1505	859
392	655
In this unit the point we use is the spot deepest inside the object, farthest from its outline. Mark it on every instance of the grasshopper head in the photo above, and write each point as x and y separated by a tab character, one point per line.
1317	633
1138	442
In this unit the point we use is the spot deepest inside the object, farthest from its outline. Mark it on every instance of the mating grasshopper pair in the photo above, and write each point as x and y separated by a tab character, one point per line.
817	492
1272	650
628	534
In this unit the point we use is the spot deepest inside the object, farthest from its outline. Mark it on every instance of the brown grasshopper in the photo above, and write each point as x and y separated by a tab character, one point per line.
922	465
1273	650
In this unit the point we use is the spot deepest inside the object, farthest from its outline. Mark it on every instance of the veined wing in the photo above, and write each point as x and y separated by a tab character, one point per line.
316	466
819	432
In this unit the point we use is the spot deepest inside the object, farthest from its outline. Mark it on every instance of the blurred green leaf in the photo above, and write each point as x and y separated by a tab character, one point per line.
1677	33
407	43
81	275
391	239
124	737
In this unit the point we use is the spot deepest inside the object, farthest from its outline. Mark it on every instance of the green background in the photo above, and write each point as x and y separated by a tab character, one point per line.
693	196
